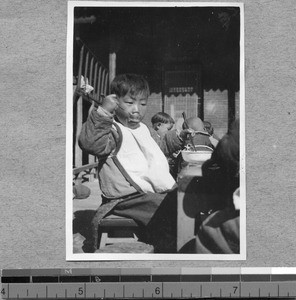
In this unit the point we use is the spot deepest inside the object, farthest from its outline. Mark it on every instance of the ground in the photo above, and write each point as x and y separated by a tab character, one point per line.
83	211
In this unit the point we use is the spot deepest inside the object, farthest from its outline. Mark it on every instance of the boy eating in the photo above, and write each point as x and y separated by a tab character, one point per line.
133	171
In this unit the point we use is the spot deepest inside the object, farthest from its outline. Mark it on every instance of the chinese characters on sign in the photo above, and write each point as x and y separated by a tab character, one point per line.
188	89
181	82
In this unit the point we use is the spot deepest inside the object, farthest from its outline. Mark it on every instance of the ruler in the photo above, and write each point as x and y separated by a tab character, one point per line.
148	283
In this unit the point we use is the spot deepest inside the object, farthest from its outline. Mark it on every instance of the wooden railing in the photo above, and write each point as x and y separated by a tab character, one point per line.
91	83
85	173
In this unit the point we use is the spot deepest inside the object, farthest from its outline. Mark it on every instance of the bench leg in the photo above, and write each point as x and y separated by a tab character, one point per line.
103	239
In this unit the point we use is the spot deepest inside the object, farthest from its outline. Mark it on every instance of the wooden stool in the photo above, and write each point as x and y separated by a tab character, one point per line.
114	229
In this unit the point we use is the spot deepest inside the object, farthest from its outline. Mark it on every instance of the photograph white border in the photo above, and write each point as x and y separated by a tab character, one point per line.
70	256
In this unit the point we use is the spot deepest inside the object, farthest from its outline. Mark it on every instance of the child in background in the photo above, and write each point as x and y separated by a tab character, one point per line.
162	123
213	137
133	171
222	173
201	136
219	231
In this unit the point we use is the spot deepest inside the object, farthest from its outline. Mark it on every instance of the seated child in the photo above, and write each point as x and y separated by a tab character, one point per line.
162	123
218	232
213	137
133	171
201	136
221	172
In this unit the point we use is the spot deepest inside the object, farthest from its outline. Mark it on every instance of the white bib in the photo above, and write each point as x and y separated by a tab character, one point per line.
143	160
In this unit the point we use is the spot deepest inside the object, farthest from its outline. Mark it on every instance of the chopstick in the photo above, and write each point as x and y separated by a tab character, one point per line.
187	127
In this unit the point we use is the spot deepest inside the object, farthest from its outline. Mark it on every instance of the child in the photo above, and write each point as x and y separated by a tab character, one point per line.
213	137
219	230
133	171
201	136
162	123
221	172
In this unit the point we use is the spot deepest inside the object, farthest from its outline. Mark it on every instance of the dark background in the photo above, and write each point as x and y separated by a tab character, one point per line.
148	40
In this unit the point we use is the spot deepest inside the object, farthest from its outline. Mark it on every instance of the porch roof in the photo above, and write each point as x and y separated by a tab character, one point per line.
148	39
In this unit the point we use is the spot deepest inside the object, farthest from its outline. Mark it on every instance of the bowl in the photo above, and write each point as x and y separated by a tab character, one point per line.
199	156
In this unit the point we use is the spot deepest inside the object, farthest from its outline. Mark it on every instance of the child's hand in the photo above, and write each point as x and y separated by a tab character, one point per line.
185	132
110	103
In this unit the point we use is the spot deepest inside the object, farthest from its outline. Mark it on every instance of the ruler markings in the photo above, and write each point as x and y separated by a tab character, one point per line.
183	290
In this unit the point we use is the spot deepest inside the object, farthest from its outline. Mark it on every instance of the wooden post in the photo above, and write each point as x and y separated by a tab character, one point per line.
79	116
112	66
162	89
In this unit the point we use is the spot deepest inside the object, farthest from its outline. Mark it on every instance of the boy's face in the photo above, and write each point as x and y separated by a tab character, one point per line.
163	128
131	110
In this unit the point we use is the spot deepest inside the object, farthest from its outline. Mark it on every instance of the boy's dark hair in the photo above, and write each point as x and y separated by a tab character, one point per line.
132	84
162	117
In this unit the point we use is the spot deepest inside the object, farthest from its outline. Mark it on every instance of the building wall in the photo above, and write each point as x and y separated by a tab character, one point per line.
216	110
154	106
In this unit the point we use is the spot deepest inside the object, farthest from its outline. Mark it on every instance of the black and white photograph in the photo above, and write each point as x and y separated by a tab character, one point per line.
155	163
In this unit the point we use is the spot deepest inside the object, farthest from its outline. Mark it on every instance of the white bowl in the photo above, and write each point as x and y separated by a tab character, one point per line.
199	156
